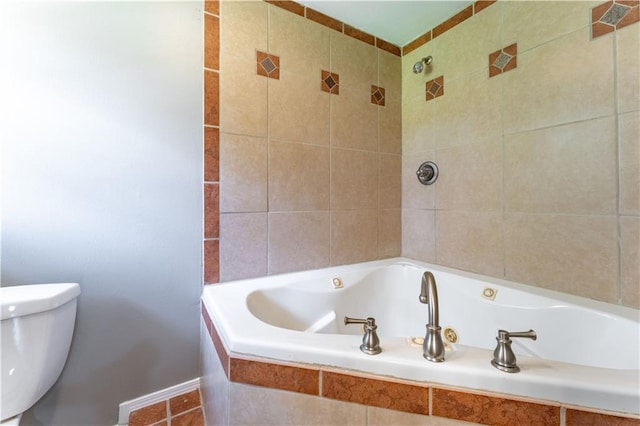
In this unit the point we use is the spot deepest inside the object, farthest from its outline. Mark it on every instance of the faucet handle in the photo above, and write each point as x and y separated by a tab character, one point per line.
370	342
503	357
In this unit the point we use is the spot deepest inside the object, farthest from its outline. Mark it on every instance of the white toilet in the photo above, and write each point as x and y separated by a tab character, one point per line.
37	326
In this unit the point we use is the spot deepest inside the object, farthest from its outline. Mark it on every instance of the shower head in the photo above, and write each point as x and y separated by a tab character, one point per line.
418	67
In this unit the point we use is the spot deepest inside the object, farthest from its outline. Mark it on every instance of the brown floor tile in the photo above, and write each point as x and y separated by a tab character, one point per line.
148	415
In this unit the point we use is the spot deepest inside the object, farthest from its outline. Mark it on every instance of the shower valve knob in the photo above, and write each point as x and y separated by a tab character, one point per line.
427	173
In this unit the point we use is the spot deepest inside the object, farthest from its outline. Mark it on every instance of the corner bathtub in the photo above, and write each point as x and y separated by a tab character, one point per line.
587	352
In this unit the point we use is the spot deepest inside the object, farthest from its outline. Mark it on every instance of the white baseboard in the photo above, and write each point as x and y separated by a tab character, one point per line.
161	395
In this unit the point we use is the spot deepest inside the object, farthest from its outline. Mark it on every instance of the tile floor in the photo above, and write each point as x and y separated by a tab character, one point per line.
181	410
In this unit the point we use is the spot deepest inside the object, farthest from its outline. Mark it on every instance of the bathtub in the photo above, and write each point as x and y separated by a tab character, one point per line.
587	353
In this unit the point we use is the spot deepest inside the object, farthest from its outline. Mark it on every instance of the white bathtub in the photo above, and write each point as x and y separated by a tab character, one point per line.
587	353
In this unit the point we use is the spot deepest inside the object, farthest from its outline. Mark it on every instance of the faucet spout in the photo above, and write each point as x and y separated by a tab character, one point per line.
433	346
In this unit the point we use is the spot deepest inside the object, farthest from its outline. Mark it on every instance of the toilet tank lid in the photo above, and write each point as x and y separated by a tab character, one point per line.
23	300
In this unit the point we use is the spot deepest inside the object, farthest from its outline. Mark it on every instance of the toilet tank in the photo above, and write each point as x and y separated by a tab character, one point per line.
37	326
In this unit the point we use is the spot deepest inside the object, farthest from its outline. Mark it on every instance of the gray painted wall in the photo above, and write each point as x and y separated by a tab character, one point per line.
101	131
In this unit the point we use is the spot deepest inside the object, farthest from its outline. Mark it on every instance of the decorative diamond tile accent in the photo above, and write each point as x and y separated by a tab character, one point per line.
377	95
268	65
503	60
330	82
613	15
434	88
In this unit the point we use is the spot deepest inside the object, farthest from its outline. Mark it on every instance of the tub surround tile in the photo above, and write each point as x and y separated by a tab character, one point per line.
330	82
288	5
354	236
389	233
323	19
243	173
354	179
377	95
211	210
223	356
492	410
211	261
628	68
298	177
503	60
212	6
377	393
419	234
298	241
582	418
243	245
557	157
613	15
359	35
283	377
259	406
267	65
445	26
211	154
211	98
629	154
569	96
629	261
434	88
568	253
211	42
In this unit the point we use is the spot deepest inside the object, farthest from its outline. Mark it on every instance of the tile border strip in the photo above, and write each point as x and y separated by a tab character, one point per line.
396	394
334	24
445	26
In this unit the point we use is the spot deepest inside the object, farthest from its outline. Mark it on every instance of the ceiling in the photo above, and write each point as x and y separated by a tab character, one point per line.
397	22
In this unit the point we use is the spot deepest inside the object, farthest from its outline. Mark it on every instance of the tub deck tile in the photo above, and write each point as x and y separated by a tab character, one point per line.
276	376
491	410
582	418
377	393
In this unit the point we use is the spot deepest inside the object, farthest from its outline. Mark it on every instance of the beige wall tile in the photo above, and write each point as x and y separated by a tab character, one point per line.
390	181
414	194
390	116
389	233
252	405
464	49
418	124
572	254
469	111
566	80
532	23
413	84
630	261
298	109
354	119
214	386
243	94
470	178
243	245
243	97
563	169
298	241
354	179
629	125
298	177
303	45
356	63
354	236
243	173
471	241
628	68
419	234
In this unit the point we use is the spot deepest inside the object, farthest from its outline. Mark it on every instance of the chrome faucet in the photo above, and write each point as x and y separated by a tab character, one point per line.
433	347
